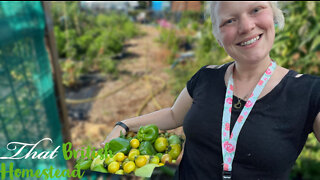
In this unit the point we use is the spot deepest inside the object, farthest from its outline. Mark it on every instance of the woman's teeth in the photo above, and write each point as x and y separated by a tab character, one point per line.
250	41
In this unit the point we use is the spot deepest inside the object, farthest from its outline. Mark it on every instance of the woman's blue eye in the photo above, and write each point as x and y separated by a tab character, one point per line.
228	21
255	10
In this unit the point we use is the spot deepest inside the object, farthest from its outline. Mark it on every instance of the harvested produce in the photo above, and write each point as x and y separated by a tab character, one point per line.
136	153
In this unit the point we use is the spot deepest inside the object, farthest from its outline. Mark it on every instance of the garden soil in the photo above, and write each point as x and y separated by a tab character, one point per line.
144	57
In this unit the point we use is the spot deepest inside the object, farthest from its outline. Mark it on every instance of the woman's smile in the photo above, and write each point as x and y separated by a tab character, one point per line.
250	42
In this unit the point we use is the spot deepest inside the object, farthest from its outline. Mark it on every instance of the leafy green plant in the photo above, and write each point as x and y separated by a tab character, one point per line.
297	46
89	39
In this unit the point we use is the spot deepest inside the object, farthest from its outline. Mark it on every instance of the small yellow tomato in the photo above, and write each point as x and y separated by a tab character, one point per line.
166	158
148	157
113	167
109	160
133	153
175	151
141	161
119	157
155	160
120	172
129	167
161	144
134	143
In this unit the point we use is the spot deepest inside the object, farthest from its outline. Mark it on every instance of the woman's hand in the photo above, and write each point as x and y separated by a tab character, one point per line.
113	134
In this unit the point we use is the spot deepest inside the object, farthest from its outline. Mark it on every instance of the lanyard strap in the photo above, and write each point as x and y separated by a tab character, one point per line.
229	142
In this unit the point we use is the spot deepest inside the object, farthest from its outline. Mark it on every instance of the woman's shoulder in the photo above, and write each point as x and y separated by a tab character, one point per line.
304	81
215	68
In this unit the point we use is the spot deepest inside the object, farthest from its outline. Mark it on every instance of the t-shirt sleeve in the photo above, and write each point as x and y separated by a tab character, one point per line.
317	95
315	105
191	84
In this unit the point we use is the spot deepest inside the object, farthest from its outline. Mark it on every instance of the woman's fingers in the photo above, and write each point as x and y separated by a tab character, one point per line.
113	134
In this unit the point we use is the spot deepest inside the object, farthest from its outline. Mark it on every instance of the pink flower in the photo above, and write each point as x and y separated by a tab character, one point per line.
231	135
248	104
240	119
224	134
227	127
231	87
245	113
228	147
229	160
230	109
268	72
229	92
225	167
260	83
229	100
251	95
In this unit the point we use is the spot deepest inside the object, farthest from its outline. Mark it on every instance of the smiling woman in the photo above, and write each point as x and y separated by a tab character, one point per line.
241	118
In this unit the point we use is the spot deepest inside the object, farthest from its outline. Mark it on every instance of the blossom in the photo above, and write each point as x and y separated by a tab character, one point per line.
260	83
268	72
227	127
231	87
228	147
240	119
225	167
248	104
229	100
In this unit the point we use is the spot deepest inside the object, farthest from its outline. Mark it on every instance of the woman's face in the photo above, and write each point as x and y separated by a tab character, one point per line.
246	29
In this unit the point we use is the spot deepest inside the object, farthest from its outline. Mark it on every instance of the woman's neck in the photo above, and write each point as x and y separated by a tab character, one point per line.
250	71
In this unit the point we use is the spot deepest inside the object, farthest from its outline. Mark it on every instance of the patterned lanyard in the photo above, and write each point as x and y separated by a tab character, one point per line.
229	142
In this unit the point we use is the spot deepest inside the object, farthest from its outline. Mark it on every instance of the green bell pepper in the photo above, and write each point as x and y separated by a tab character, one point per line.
119	145
146	148
148	133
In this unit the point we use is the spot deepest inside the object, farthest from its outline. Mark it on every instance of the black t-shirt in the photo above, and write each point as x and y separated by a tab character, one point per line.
270	140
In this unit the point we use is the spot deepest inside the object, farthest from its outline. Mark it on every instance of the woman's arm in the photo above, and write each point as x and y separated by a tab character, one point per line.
165	119
316	127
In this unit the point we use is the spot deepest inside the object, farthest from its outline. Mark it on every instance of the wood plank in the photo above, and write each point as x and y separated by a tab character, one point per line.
57	78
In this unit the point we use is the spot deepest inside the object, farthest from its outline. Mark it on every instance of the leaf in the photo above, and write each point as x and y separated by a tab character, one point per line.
311	36
146	171
97	161
315	44
122	135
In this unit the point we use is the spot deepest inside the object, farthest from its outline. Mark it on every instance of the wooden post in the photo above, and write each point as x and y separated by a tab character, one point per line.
57	78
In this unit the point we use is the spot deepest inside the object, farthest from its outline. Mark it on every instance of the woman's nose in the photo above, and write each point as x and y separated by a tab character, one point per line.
246	24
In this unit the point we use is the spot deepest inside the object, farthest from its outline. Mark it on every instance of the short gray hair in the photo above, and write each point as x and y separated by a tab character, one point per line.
211	7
